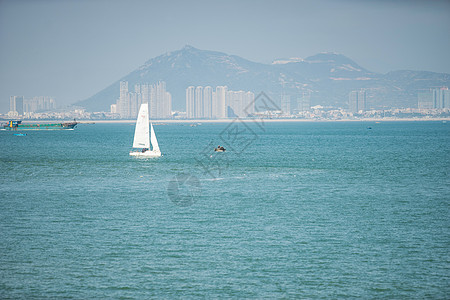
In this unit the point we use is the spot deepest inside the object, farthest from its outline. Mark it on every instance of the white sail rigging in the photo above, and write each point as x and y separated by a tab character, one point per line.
153	140
141	133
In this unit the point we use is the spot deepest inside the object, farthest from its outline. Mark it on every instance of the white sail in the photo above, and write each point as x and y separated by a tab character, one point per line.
154	141
141	133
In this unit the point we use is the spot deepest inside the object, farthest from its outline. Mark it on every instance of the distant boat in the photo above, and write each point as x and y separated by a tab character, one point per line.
17	125
141	136
20	134
219	149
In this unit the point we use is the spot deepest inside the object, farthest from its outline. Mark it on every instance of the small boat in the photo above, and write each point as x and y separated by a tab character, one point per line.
219	149
20	134
141	136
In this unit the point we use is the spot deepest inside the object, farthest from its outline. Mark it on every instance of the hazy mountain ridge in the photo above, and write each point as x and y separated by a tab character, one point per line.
328	76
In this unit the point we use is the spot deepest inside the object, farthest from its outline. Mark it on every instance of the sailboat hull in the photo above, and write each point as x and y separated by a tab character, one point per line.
148	153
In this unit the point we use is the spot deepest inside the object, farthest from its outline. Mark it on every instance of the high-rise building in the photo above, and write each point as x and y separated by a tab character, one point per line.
144	93
425	100
446	97
203	102
133	100
441	98
166	111
190	102
114	108
249	105
159	100
240	103
234	103
16	104
304	102
219	107
123	107
362	100
434	98
157	106
207	102
39	103
286	104
123	90
199	102
357	101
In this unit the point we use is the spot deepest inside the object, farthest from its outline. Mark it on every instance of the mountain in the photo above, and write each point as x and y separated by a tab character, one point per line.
329	77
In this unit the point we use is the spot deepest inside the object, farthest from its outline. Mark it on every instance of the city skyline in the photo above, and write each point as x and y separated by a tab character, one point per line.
47	60
204	103
159	100
208	104
21	106
436	98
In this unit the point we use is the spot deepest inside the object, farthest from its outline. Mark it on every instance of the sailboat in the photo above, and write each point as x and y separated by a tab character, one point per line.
141	136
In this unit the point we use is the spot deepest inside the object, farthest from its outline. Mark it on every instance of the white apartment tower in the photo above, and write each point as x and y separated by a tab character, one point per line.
434	98
39	103
241	103
159	100
207	102
304	102
16	104
190	102
199	102
219	106
203	102
357	101
123	105
286	105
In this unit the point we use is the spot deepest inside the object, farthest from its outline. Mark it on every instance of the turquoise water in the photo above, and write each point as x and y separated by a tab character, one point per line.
291	210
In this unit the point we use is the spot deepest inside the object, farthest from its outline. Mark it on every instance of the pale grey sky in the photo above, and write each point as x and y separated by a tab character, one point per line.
72	49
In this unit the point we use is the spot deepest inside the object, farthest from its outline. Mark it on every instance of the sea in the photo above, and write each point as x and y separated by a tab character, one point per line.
310	210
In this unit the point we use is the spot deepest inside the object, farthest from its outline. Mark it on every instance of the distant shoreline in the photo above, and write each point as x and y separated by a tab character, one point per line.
260	120
195	121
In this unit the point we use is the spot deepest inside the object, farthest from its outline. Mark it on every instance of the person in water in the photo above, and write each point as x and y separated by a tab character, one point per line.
144	149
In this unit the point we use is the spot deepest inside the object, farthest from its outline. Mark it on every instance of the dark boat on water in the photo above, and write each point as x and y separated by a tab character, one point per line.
219	149
17	125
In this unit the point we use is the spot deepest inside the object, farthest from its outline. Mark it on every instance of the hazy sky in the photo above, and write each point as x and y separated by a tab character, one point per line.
71	49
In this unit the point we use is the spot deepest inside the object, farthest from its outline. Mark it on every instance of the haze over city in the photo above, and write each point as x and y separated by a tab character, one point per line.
224	149
70	50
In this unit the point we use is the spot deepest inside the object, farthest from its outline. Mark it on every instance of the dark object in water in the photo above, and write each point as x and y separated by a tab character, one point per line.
219	149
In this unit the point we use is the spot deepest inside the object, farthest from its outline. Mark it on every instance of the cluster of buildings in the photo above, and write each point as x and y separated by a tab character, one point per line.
357	101
434	98
207	103
221	103
159	100
19	106
303	104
